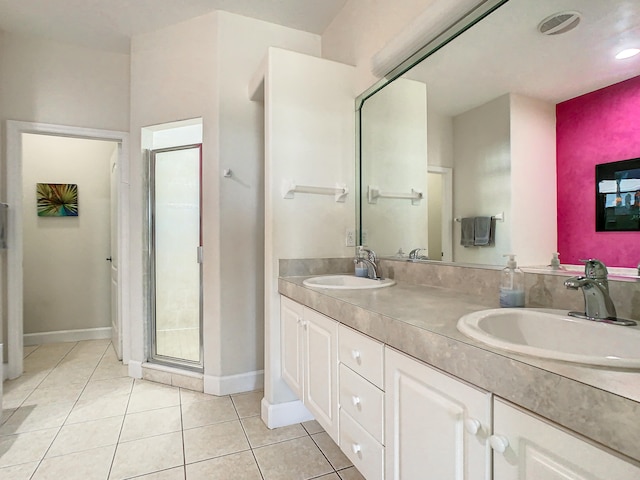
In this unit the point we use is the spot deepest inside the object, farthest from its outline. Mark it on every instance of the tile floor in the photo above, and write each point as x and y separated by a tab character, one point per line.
74	414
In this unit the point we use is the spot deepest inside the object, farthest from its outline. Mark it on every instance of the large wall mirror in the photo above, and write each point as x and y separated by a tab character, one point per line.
498	123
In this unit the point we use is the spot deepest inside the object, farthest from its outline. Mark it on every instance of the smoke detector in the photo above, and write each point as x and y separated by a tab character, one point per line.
560	22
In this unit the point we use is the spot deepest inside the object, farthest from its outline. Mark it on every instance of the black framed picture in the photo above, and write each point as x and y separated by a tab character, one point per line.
618	196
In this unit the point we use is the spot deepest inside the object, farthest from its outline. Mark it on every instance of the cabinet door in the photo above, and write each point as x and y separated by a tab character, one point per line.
528	448
321	370
436	427
291	344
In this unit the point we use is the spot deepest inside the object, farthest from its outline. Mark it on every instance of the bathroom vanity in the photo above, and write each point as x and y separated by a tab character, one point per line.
407	396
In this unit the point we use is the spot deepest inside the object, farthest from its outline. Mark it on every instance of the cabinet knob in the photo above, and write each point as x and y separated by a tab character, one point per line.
355	354
472	426
355	400
356	448
499	443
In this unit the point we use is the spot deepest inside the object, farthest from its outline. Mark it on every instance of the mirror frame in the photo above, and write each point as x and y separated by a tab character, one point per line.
454	30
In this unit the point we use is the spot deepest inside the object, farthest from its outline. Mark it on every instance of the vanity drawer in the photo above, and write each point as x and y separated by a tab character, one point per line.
363	401
361	354
365	453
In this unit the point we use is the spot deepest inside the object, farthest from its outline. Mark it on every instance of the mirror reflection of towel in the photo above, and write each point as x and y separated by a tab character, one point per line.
482	231
467	229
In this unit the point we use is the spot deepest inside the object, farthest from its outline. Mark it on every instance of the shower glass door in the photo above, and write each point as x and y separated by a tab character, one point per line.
176	240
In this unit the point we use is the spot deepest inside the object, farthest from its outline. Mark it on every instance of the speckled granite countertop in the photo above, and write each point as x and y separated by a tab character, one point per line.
601	404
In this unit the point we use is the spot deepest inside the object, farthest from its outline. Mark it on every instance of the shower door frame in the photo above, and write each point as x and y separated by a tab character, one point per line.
153	355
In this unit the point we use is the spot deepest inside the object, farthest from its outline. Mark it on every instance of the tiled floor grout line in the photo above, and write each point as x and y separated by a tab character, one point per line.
74	403
244	430
184	452
324	455
124	416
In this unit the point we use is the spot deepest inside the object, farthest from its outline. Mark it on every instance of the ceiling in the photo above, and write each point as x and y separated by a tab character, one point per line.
109	24
506	53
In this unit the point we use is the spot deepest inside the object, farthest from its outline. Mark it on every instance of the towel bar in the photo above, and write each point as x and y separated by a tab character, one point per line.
374	193
289	188
499	217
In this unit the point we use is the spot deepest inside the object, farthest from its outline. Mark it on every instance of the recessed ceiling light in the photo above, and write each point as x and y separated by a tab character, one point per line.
629	52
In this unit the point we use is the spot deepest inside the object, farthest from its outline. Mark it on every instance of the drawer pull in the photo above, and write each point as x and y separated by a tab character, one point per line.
472	426
355	400
356	448
355	354
499	443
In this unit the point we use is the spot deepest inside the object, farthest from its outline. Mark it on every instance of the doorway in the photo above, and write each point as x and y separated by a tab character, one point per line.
15	235
440	215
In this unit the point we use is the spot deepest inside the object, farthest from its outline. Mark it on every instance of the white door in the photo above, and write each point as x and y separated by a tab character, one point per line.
321	370
116	335
436	427
529	448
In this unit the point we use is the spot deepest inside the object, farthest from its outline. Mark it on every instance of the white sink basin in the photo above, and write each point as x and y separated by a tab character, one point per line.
553	334
346	282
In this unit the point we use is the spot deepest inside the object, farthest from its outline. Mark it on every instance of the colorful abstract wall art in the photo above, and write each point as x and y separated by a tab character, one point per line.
57	199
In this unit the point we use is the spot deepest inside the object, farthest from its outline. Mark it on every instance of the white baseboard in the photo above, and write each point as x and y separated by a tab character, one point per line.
135	369
244	382
66	336
283	414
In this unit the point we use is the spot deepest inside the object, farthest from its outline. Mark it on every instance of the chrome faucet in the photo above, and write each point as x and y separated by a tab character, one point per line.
371	255
595	288
372	271
415	254
369	260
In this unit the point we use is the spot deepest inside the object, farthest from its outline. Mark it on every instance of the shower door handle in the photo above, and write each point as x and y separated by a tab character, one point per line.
199	254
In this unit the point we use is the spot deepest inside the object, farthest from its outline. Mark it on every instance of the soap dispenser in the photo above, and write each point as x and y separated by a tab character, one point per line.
512	284
555	261
361	269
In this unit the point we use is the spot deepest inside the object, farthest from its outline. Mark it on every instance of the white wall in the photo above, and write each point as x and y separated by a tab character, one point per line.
394	142
505	146
482	177
66	275
533	175
242	47
49	82
202	68
310	135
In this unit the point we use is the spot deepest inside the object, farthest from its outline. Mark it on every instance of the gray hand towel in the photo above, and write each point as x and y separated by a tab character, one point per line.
467	235
482	231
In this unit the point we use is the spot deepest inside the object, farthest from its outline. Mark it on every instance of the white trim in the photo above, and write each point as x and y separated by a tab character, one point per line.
135	369
447	209
67	336
244	382
14	131
284	414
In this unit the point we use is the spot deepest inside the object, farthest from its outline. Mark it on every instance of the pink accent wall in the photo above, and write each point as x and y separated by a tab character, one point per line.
598	127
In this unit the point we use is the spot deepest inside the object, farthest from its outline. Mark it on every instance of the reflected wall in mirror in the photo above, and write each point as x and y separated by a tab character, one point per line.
492	97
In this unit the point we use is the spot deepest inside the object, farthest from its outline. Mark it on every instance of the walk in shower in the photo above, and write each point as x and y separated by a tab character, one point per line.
175	256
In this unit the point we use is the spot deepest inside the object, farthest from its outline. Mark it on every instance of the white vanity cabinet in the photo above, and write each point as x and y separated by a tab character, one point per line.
309	356
361	401
436	426
529	448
